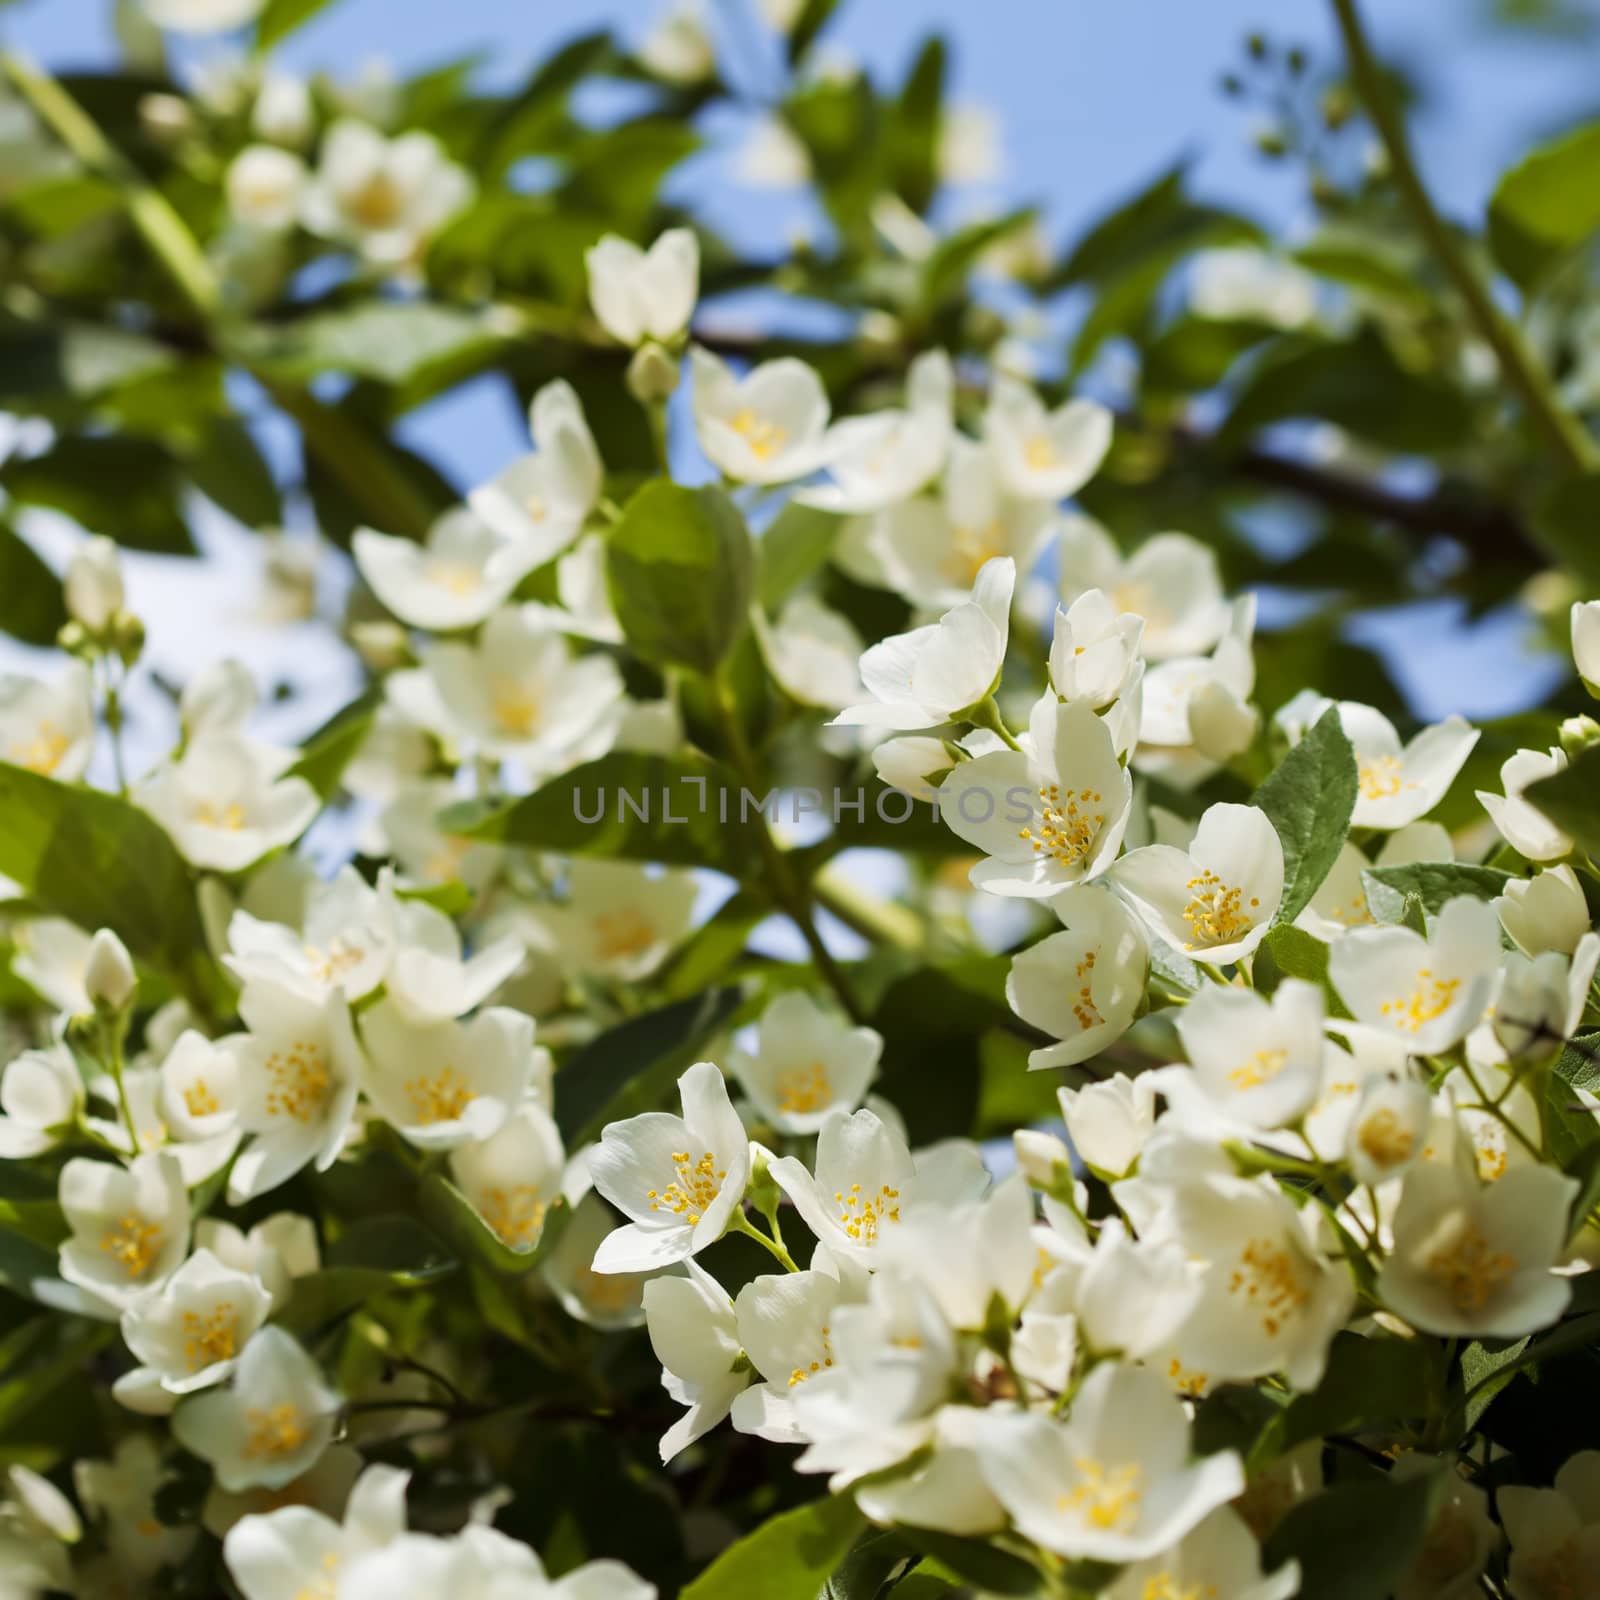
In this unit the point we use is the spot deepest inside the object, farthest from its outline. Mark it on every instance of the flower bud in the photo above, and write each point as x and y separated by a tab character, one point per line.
127	638
283	112
1586	643
652	375
94	584
383	646
1043	1160
1578	733
108	978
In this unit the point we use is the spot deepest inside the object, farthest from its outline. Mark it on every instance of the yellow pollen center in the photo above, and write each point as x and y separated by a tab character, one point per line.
1384	1139
1105	1497
230	818
611	1292
800	1374
1068	828
515	706
516	1214
971	548
1083	1006
43	752
862	1216
441	1098
698	1184
274	1431
200	1100
1382	777
301	1082
626	931
1270	1282
379	203
330	964
325	1586
1261	1068
1163	1586
1430	997
1469	1270
765	438
211	1338
1040	453
803	1089
459	577
133	1244
1186	1380
1216	912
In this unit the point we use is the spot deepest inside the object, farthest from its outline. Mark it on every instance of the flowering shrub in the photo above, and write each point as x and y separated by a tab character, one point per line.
818	1030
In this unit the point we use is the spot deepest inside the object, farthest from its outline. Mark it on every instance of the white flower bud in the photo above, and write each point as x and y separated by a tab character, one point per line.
1586	642
652	375
283	112
108	978
94	584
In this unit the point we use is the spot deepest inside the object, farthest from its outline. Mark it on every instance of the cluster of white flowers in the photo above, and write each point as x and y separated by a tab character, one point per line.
1317	1096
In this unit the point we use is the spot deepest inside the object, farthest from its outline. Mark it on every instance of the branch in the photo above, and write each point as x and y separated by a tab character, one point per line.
1566	435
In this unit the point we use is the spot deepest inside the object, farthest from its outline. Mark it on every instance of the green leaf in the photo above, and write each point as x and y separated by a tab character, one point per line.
457	1220
1564	518
1357	1540
124	487
679	567
911	137
1546	205
375	1256
813	18
394	341
102	863
674	809
648	1047
227	467
333	747
40	364
1197	352
1433	883
975	1561
1291	952
789	1557
1309	799
1484	1374
31	607
1571	799
794	546
279	18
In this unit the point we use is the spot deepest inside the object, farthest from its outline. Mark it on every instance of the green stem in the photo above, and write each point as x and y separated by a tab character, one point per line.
114	1064
881	921
986	714
1519	365
742	1224
788	890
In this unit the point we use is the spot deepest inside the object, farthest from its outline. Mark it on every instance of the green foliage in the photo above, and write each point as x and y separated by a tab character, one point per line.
31	607
680	571
1546	205
1432	882
1309	799
788	1558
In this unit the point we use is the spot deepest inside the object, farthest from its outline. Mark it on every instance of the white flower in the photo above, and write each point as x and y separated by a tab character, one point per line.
448	1083
41	1095
270	1425
283	112
867	1181
299	1070
1129	1296
1084	985
1389	1129
696	1339
1171	581
386	197
1541	1001
538	505
1094	654
1046	816
1113	1482
931	674
202	16
910	764
48	727
772	157
1427	992
1258	1061
429	980
226	802
37	1522
220	698
813	652
108	976
678	48
519	694
1555	1533
275	1251
1399	784
806	1064
51	957
1109	1121
456	578
187	1334
93	584
932	547
767	427
784	1324
1586	640
199	1089
884	456
343	947
299	1546
1545	912
129	1225
1478	1261
265	185
1219	1557
1240	284
1522	825
1195	711
1459	1540
122	1493
1039	454
644	294
600	1299
620	920
968	149
678	1179
1340	902
513	1177
1215	900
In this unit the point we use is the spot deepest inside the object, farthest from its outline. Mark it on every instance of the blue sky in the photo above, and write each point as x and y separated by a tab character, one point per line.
1094	99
